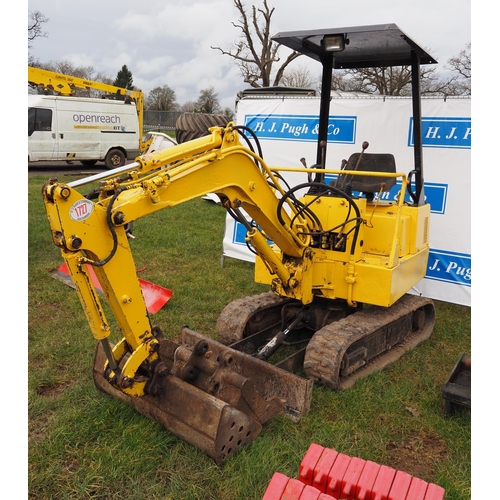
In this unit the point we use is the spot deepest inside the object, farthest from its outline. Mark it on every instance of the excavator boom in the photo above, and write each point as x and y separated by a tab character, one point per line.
339	260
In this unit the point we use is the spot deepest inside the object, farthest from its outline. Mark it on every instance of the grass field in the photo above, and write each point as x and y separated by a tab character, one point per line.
85	444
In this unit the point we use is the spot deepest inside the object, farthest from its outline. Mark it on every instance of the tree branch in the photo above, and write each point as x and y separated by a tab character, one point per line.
256	53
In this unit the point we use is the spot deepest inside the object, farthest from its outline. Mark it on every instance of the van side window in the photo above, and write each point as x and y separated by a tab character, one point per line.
39	119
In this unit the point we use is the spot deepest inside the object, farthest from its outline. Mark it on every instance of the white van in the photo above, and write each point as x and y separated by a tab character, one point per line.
83	129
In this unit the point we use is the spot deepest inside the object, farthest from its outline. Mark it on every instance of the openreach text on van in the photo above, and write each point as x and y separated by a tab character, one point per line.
96	119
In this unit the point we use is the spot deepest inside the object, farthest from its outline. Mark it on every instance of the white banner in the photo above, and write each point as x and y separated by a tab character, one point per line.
287	131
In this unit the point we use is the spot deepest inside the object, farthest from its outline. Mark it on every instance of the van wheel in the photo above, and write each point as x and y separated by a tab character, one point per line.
88	163
114	159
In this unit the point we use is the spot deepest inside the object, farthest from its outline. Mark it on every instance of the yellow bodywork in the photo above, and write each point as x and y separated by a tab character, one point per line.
382	256
389	258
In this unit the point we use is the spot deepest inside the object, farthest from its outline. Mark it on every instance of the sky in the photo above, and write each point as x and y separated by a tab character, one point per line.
165	42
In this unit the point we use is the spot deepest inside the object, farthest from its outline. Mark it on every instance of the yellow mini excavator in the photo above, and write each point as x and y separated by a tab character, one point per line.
339	260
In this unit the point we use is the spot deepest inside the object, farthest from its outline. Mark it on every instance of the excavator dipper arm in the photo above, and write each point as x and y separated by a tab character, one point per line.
325	255
153	374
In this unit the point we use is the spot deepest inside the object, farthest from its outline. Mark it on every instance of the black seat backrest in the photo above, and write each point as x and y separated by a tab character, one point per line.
372	162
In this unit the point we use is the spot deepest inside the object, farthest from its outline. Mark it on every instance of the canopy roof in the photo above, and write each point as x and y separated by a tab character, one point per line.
365	46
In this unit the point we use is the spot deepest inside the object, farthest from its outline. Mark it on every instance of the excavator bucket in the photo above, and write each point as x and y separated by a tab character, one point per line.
211	396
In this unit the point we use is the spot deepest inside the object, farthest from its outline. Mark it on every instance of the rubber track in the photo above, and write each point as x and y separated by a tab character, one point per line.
235	316
327	347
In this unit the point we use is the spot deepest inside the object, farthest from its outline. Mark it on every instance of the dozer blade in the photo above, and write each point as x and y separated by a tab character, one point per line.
155	296
213	397
270	380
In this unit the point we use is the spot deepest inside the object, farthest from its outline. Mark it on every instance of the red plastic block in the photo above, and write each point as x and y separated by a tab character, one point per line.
334	485
276	487
326	474
367	480
310	493
417	489
306	468
434	492
293	490
351	478
383	483
322	469
400	486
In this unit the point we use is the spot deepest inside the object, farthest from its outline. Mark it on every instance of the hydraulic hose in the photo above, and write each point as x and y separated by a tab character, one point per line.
322	187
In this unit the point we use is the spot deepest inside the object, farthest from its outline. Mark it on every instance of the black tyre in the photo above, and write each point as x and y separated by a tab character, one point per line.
88	163
114	159
190	126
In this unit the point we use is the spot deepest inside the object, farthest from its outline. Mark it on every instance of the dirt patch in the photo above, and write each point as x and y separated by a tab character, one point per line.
37	428
417	456
51	390
72	464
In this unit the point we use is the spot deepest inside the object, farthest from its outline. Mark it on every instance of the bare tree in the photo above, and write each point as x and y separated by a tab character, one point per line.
35	22
66	68
229	114
255	52
162	99
208	102
461	67
188	107
298	76
103	78
396	81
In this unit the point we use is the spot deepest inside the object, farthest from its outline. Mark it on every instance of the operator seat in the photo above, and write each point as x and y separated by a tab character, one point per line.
367	162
